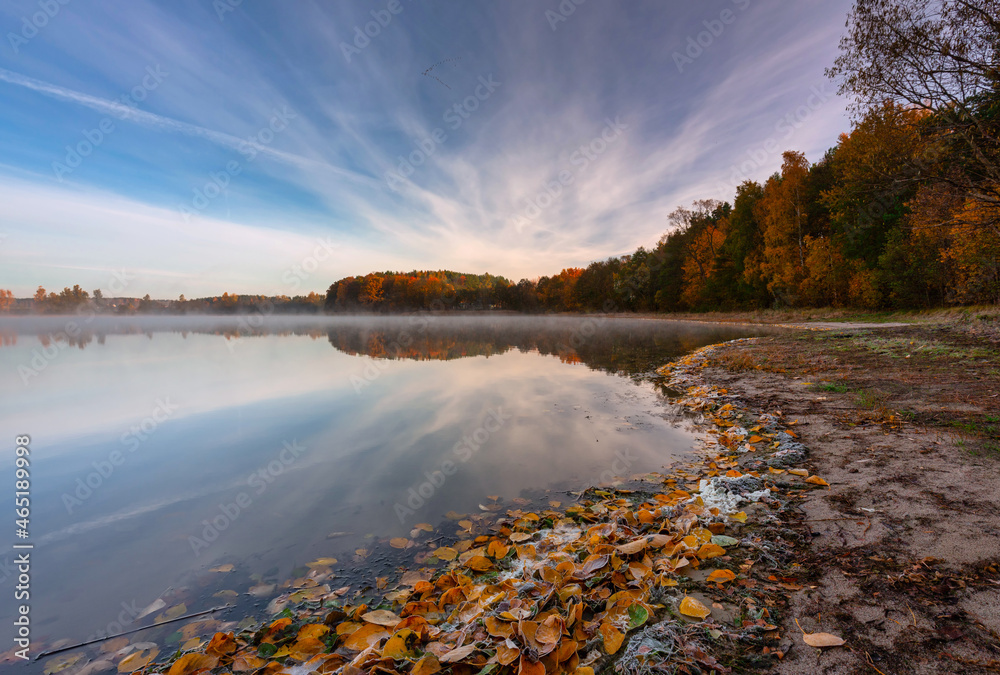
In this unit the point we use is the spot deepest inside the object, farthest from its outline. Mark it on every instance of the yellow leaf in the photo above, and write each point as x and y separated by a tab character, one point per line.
221	644
694	608
518	537
754	439
172	613
445	553
399	542
137	660
739	517
465	524
426	527
322	562
223	568
64	661
400	646
816	480
381	617
798	472
313	630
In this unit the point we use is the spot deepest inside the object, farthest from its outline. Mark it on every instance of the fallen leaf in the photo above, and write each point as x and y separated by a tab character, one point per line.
401	645
229	567
721	576
427	665
381	617
365	637
694	608
399	542
192	663
445	553
456	655
820	640
613	638
64	661
137	660
816	480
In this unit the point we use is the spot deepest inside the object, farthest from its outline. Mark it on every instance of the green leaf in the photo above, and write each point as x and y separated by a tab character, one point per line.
267	649
487	669
724	541
637	615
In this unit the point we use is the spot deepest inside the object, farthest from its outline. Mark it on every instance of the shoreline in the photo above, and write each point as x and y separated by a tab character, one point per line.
903	554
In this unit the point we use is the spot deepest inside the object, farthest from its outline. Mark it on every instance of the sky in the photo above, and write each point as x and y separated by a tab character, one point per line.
201	146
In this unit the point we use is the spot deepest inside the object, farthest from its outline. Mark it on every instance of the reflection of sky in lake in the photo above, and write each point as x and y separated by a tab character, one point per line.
236	405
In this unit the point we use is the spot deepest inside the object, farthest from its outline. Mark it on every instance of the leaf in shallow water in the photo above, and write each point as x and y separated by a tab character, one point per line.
445	553
172	613
229	567
399	542
226	595
62	662
426	527
137	660
155	606
322	562
261	590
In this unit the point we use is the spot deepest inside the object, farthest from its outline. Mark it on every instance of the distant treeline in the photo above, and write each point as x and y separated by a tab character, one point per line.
76	300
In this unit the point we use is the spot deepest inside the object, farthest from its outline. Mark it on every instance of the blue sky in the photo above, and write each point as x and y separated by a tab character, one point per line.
196	147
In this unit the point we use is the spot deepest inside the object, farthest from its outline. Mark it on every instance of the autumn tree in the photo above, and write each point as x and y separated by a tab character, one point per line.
6	300
940	57
781	212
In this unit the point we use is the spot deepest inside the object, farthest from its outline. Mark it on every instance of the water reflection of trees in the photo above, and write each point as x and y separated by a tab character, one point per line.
628	346
619	346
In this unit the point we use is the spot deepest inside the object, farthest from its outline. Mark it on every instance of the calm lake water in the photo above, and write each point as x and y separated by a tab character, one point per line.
164	447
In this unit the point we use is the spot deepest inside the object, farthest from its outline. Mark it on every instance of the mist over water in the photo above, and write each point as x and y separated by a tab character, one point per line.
165	446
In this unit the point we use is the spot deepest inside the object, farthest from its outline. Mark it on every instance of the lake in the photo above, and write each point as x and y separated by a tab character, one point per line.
166	447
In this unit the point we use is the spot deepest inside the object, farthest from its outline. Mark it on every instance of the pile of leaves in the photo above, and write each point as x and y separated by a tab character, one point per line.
671	562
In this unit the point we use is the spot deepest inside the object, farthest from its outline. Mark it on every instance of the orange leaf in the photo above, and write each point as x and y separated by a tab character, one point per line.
192	663
507	654
313	630
427	665
721	576
479	563
708	551
137	660
816	480
221	644
365	637
820	639
613	638
399	542
528	667
691	607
